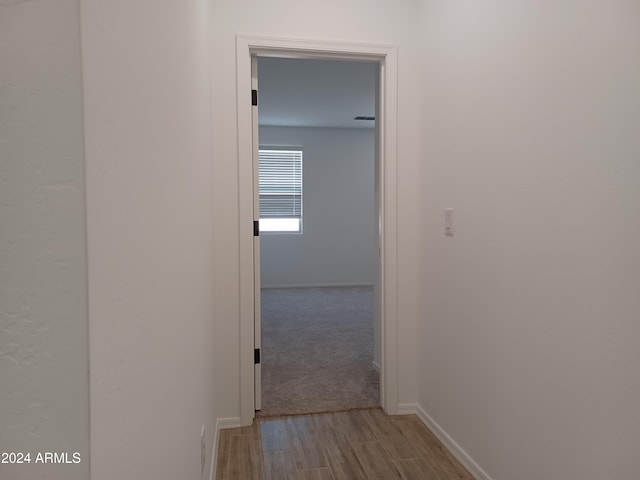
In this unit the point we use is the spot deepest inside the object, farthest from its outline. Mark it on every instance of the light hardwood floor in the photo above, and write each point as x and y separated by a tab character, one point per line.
356	444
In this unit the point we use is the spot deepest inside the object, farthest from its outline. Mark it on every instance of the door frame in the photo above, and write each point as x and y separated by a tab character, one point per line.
386	163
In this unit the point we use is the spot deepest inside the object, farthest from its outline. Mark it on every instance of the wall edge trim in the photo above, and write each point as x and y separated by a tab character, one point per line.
407	409
450	444
221	424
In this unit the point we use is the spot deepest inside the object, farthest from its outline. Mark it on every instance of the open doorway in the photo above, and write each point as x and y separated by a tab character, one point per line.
386	307
318	235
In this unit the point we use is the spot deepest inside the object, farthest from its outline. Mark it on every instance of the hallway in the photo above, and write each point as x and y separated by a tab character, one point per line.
355	444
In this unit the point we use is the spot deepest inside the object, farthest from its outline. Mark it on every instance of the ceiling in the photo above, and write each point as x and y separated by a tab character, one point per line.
315	93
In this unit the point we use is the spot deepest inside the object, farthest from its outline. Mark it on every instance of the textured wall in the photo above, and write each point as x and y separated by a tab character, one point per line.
43	322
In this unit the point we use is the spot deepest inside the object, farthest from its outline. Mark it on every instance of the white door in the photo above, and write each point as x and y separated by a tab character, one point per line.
257	336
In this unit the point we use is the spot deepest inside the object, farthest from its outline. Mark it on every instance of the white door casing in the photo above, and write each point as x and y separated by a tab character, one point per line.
247	48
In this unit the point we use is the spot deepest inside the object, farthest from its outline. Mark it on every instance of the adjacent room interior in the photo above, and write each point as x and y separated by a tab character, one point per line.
317	172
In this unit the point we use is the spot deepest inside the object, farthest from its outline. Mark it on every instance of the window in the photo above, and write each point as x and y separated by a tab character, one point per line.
280	188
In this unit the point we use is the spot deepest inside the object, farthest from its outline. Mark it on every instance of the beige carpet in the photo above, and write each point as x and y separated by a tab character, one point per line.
317	349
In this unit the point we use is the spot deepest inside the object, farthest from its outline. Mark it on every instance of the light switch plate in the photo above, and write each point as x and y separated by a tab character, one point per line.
448	222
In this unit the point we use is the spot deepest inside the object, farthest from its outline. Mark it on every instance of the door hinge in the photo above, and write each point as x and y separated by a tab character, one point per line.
256	228
256	356
254	97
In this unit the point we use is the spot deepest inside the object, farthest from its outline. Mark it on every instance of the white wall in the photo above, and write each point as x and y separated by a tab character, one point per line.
358	20
150	222
44	386
337	243
530	339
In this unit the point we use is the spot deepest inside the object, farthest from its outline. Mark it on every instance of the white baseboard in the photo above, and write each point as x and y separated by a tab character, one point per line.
319	285
221	424
376	366
451	445
224	423
407	408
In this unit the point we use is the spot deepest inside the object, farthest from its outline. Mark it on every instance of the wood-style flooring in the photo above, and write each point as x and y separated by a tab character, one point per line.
356	444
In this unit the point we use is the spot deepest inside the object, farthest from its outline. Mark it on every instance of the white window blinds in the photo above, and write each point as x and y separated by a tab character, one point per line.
280	183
